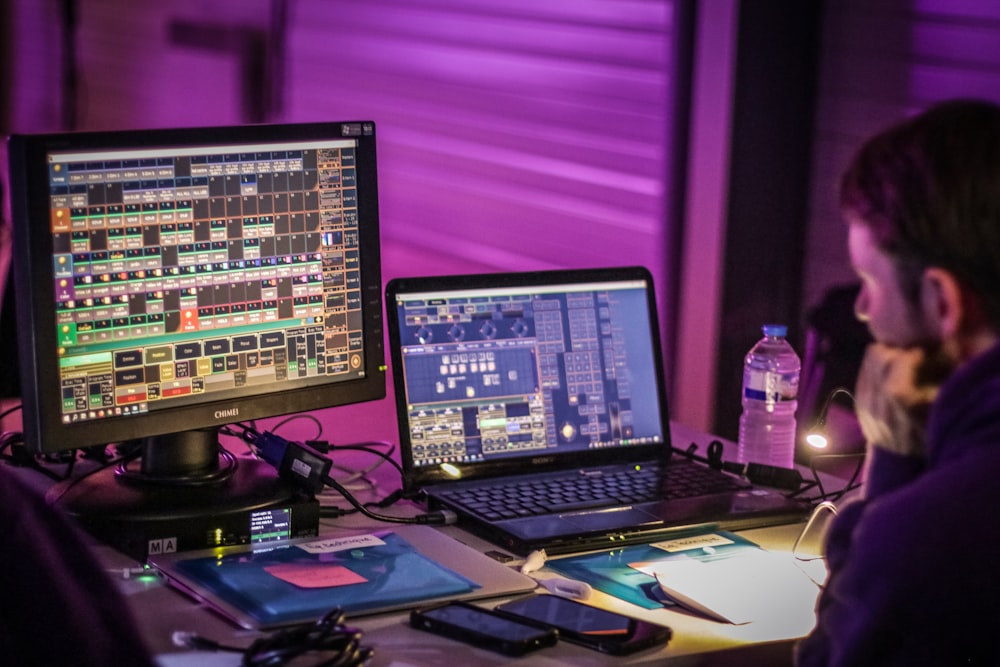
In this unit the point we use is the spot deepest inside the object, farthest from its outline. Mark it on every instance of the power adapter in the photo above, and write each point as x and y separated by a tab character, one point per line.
766	475
297	463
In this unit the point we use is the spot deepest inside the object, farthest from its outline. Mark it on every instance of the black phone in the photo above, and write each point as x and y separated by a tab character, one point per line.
606	631
483	628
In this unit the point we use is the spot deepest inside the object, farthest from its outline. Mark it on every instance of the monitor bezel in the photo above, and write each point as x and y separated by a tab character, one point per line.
34	279
416	477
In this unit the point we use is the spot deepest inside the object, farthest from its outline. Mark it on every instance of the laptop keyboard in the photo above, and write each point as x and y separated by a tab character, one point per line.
581	490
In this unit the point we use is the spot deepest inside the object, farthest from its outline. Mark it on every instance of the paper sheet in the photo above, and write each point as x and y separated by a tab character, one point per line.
739	587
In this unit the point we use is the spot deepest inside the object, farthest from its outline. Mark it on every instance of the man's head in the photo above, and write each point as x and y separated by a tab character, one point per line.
923	200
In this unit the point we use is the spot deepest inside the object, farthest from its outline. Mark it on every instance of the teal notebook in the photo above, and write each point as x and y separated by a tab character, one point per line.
720	575
612	572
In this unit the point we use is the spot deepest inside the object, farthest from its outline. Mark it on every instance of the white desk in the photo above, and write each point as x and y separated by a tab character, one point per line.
161	610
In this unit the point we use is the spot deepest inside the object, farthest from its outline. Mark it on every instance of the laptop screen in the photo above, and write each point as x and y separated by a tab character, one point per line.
538	366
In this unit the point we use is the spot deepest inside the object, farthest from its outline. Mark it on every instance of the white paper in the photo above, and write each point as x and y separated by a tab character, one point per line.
740	588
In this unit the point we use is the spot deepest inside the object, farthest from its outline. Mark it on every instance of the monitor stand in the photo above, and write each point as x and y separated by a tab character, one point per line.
185	495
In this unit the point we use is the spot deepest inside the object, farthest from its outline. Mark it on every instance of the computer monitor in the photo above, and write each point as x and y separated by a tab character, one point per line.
171	282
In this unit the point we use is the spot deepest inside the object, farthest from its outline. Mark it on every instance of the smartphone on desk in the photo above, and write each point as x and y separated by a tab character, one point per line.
600	629
483	628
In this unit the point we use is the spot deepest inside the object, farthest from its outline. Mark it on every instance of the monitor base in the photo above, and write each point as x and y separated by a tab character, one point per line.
141	518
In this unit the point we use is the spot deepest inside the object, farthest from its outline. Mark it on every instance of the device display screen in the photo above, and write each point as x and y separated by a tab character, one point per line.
483	628
582	619
482	622
272	525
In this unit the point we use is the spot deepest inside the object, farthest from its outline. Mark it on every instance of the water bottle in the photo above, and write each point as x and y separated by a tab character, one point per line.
770	392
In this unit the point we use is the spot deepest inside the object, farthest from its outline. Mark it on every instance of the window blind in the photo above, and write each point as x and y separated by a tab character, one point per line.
882	60
514	134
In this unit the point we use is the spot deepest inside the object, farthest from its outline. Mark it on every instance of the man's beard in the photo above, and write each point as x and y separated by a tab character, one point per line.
936	367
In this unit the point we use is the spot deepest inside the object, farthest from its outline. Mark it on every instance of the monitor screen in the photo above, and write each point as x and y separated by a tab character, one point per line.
537	369
175	281
500	372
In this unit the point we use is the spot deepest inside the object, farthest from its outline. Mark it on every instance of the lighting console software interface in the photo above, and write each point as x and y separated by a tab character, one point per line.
506	374
184	272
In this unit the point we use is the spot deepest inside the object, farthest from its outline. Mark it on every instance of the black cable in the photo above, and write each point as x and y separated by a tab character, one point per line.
333	512
303	415
21	457
14	440
371	450
328	641
327	635
851	483
390	499
788	479
438	517
71	483
714	458
248	431
309	469
819	426
9	411
222	473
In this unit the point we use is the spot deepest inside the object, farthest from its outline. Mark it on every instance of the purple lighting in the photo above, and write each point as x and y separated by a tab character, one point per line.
513	135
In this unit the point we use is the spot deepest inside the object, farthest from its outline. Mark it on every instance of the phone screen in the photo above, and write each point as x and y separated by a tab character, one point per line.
481	621
484	628
604	630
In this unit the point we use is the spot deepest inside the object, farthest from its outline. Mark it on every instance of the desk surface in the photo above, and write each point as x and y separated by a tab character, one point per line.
162	610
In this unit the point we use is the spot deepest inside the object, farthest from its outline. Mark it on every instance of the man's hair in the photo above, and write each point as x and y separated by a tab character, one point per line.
929	190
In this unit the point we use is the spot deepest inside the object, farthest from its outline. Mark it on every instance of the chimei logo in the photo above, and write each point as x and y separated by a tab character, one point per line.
227	414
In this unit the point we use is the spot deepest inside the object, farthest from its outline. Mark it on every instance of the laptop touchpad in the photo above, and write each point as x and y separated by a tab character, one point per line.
572	523
610	518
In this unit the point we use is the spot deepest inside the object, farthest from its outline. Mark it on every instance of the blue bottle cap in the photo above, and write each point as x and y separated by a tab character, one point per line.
779	330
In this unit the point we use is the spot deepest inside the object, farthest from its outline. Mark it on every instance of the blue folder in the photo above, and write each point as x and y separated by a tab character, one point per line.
387	575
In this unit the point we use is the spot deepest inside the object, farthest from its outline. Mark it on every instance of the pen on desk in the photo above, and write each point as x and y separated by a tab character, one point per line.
567	588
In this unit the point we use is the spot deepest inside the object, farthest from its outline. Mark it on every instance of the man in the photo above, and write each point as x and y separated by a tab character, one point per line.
915	562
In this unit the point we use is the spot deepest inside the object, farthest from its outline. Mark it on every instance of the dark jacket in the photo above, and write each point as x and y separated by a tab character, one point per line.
58	606
915	564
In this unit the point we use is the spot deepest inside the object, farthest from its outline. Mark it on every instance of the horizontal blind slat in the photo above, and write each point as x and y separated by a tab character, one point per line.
531	133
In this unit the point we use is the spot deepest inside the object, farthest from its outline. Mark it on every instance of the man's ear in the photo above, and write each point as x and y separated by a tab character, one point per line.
947	306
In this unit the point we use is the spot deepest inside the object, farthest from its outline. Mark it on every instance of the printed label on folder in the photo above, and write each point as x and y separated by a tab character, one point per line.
310	575
333	545
709	541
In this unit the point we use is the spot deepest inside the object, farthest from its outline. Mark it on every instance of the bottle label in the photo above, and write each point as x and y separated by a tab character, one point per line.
770	387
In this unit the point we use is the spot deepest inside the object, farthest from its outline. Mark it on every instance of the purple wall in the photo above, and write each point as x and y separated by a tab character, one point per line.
513	135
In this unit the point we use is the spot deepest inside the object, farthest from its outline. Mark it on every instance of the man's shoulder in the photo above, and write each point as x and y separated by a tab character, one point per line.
949	506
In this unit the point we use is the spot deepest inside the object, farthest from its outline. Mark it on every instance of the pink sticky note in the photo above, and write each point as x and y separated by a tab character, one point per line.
305	575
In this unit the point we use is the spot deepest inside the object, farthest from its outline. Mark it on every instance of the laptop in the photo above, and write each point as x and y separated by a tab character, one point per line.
515	389
269	585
